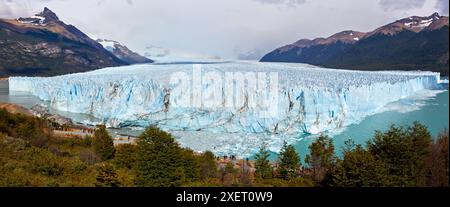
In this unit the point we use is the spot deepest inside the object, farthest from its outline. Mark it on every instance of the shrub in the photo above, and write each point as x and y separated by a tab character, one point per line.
106	176
103	144
126	156
89	157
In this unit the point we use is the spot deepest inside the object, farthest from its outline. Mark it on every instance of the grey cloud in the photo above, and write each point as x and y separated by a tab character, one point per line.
130	2
286	2
442	6
11	9
390	5
100	2
5	11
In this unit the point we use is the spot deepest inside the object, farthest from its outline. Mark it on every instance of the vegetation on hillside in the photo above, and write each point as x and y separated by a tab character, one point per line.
426	51
31	156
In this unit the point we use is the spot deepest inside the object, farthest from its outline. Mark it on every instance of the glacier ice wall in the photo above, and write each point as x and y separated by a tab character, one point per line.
311	99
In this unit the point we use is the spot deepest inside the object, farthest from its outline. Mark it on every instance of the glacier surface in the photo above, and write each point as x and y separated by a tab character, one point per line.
311	100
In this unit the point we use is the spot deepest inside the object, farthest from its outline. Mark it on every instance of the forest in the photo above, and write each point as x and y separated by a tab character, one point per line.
32	156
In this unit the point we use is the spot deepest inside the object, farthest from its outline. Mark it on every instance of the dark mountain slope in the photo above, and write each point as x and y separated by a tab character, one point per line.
122	52
414	43
43	45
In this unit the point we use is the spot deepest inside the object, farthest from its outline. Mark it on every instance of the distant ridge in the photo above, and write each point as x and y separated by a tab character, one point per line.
122	52
413	43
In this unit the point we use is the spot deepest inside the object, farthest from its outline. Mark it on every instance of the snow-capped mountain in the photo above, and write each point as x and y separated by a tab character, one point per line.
414	23
40	19
122	52
44	45
413	43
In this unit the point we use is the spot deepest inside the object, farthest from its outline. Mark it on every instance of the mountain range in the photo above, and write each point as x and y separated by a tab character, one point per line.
413	43
43	45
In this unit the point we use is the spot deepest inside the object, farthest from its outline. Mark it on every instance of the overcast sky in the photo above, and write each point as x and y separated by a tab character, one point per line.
225	28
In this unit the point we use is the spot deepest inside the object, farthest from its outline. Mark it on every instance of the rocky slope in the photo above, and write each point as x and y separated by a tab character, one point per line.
413	43
122	52
42	45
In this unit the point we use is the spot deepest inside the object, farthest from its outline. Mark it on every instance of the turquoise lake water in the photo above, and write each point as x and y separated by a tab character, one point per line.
432	111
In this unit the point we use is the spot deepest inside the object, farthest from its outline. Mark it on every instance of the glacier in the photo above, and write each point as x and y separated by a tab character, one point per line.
311	100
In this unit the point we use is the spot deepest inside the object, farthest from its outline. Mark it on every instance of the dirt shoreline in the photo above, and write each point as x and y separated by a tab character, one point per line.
16	109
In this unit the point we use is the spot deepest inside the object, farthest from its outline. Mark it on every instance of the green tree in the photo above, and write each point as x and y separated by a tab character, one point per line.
321	158
404	151
126	156
359	168
349	145
208	166
289	162
28	128
103	143
437	162
160	162
421	149
106	176
263	167
191	165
